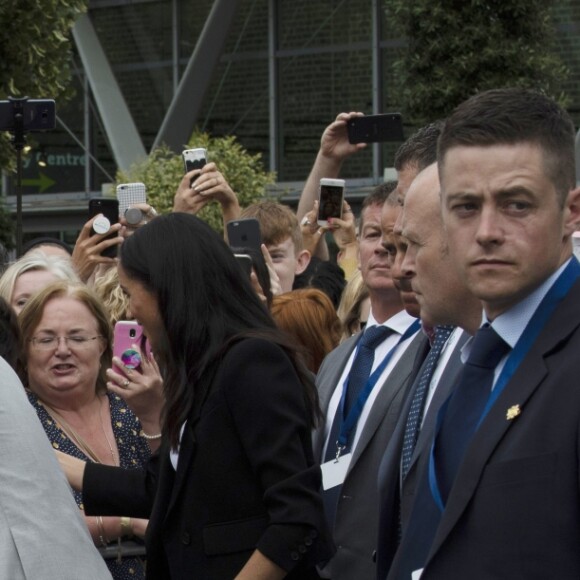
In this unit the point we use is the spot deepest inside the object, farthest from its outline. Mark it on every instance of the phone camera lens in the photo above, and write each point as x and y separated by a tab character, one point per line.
132	333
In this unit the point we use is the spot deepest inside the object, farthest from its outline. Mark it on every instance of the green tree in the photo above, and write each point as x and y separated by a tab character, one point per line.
457	48
35	53
162	171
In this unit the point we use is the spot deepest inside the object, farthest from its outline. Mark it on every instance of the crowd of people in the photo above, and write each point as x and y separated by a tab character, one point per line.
403	408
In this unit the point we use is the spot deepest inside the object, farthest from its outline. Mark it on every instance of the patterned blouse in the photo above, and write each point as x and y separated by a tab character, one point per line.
133	454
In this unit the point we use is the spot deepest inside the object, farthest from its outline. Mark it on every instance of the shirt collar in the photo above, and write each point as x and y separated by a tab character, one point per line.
398	323
511	324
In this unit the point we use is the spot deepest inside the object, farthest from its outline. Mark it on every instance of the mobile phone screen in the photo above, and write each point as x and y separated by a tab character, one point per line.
330	202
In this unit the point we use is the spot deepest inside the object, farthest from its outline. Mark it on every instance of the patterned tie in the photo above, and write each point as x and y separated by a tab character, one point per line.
413	424
466	405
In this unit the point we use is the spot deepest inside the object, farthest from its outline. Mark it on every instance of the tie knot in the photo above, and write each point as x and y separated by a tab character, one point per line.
488	348
373	336
442	333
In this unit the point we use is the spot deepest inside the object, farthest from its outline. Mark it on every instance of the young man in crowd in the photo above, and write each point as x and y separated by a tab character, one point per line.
282	236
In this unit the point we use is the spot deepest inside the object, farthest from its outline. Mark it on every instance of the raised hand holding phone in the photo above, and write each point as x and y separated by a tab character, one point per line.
136	378
89	248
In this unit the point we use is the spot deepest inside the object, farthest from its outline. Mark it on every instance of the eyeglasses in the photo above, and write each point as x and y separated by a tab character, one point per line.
76	342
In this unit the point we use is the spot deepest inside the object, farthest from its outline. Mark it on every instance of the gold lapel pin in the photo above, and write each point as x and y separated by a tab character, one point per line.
513	412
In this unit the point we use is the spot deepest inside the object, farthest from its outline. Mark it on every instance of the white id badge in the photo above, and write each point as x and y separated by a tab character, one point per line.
334	471
416	575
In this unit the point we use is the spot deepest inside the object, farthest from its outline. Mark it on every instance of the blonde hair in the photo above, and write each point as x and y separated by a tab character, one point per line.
36	260
309	317
31	315
108	289
354	294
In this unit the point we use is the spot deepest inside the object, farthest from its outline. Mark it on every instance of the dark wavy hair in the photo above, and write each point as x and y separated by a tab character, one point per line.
206	303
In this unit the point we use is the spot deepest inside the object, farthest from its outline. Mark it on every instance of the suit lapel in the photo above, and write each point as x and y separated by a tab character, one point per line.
326	383
521	387
396	380
186	453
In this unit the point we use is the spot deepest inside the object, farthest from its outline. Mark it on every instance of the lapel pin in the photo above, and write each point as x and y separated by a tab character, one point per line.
513	412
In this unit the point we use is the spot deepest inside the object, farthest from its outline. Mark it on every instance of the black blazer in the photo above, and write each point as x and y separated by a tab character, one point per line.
245	479
513	512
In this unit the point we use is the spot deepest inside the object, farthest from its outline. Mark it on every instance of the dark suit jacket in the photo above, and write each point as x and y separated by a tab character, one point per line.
245	479
392	504
513	512
356	523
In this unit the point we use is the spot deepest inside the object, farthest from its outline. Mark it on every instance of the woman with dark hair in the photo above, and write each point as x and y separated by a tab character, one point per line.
234	488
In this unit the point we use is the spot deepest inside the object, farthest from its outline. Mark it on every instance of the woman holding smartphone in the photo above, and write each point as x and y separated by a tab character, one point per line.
234	488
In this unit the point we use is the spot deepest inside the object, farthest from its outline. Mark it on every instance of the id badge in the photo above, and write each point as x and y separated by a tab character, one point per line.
334	471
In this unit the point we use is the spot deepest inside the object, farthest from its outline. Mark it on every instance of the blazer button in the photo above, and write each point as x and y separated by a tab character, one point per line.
295	556
185	538
308	541
314	534
302	549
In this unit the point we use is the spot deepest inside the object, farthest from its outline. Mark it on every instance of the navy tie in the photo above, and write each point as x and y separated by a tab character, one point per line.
357	379
413	424
459	422
466	405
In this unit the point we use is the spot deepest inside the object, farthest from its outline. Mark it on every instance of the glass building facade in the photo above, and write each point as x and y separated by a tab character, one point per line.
284	69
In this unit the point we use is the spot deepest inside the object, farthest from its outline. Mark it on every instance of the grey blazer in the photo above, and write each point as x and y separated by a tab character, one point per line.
42	533
392	503
356	524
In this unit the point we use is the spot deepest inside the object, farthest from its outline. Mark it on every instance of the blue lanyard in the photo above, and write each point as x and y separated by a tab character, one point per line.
557	292
350	423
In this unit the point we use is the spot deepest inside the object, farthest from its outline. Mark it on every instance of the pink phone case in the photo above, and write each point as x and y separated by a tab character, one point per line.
126	334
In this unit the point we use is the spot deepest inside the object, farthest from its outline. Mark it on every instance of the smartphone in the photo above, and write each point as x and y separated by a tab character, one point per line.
194	159
244	233
125	335
375	128
109	207
37	114
245	262
330	198
129	194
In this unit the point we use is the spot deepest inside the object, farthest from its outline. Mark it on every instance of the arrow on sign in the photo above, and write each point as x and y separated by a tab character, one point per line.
43	182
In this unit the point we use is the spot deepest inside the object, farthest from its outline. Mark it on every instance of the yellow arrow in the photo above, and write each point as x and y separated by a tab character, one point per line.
43	182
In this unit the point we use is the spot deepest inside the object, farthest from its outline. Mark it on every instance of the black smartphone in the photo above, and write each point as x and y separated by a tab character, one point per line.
244	233
37	114
109	207
375	128
245	262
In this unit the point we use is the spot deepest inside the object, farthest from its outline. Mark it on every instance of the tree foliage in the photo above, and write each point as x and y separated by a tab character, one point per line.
35	53
457	48
162	171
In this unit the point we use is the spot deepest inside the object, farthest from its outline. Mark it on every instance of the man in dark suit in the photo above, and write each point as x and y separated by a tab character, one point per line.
352	501
500	497
443	299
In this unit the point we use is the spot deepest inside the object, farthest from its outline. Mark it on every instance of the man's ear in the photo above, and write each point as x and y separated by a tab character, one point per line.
572	212
302	261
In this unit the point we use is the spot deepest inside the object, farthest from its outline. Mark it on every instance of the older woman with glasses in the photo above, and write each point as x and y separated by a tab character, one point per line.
66	349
